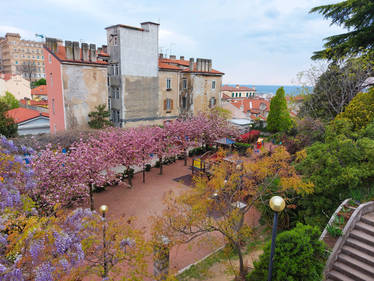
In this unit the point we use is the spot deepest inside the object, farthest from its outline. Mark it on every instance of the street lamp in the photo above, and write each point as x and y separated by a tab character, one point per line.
277	204
103	211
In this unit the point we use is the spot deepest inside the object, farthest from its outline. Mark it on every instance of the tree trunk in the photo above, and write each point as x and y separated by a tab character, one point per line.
185	157
242	269
91	196
129	176
160	165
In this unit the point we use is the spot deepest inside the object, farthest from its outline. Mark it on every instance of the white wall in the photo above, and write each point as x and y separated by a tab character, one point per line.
39	125
17	85
139	51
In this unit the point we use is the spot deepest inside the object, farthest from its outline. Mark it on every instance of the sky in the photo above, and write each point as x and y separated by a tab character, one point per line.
259	42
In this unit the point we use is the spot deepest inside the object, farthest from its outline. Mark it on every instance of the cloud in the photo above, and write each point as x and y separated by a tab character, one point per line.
26	34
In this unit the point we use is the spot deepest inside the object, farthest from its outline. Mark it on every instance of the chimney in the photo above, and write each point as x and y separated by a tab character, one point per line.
172	57
205	65
181	57
99	50
69	50
92	52
198	64
209	65
192	64
84	47
161	56
76	51
237	86
105	48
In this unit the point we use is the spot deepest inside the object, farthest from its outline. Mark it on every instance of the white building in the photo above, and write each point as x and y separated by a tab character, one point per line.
16	85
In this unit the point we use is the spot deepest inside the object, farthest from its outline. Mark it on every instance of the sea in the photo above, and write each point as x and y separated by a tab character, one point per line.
272	89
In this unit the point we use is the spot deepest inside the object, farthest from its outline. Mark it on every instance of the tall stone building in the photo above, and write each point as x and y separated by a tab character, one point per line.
24	57
76	83
188	87
145	88
133	72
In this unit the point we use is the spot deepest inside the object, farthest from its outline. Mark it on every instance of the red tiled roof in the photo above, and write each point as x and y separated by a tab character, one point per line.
183	65
40	91
21	114
256	103
163	65
102	54
237	88
34	102
61	55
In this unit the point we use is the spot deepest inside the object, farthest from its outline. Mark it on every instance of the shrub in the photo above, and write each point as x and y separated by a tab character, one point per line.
334	231
148	167
299	256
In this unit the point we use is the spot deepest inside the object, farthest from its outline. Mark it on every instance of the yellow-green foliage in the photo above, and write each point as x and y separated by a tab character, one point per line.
360	111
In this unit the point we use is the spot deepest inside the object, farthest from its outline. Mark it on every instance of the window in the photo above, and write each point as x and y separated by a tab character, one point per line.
37	57
184	102
49	58
51	79
213	84
233	94
53	106
115	93
109	104
168	84
240	94
212	102
118	116
236	94
184	83
16	62
42	57
116	69
168	104
247	94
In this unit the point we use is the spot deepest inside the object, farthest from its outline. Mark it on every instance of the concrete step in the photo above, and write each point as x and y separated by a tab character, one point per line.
356	264
359	245
358	255
367	228
351	272
337	276
362	236
368	218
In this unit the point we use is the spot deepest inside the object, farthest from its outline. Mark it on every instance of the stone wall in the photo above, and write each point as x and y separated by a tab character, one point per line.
84	88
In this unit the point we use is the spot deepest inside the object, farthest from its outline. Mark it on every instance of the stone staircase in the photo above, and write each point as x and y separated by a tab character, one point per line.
352	258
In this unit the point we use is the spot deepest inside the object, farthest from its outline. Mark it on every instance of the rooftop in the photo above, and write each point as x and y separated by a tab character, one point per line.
183	66
21	114
237	88
40	91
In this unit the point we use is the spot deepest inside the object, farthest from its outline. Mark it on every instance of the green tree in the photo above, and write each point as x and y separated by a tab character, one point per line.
10	100
360	111
299	256
336	86
340	167
279	119
40	82
99	117
8	127
355	15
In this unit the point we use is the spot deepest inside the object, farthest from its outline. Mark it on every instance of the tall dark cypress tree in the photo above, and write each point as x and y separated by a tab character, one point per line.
279	119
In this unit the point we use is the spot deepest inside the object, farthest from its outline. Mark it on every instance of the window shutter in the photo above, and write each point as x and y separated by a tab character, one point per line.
171	104
165	104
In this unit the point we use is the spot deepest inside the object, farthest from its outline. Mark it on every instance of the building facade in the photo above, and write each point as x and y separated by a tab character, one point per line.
24	57
18	86
187	86
230	92
76	83
133	72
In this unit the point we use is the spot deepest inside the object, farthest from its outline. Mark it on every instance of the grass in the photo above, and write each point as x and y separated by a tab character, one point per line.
200	271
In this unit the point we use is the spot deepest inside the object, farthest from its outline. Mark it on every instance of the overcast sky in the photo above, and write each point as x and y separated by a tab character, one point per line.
251	41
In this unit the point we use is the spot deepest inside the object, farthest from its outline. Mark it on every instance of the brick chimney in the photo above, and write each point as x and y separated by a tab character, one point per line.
198	64
69	50
191	64
76	51
105	48
172	57
93	52
181	57
85	56
209	65
161	56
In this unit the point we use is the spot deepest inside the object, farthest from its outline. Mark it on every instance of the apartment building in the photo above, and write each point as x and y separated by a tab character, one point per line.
24	57
187	87
76	83
232	92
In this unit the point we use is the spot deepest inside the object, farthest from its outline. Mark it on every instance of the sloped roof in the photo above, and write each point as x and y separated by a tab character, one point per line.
182	65
34	102
237	88
40	91
21	114
61	55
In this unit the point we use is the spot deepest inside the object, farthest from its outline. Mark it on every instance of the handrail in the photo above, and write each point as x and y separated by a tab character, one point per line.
361	210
